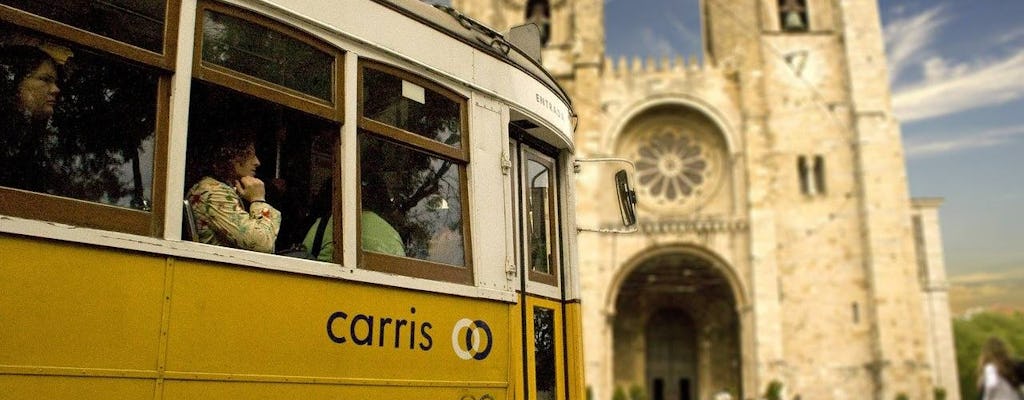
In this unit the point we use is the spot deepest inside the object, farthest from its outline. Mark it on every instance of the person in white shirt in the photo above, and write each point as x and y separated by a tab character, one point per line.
996	377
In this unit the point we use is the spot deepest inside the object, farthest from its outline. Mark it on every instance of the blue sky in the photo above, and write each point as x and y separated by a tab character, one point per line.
958	89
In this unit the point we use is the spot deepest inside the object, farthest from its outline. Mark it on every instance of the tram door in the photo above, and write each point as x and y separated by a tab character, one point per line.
535	191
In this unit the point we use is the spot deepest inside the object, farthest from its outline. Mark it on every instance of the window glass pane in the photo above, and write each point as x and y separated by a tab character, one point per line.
294	154
269	55
544	351
539	216
406	105
411	197
136	22
76	123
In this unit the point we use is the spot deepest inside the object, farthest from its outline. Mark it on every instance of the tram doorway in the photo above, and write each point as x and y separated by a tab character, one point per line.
676	330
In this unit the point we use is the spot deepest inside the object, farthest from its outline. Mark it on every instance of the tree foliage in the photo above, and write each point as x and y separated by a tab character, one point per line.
970	334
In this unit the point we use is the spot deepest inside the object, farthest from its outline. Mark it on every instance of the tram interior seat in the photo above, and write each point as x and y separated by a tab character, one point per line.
190	230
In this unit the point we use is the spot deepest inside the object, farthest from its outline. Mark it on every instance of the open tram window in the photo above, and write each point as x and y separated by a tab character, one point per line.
413	157
83	125
262	147
295	156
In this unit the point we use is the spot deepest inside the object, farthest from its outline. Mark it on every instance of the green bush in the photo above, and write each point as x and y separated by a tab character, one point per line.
773	391
636	393
940	393
620	394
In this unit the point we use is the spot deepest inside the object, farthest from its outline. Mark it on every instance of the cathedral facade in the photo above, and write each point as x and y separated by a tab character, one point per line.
778	244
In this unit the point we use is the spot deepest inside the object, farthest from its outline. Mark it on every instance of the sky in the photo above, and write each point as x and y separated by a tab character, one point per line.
957	77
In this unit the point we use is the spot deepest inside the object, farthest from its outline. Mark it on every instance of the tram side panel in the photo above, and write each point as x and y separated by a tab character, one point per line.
77	321
84	321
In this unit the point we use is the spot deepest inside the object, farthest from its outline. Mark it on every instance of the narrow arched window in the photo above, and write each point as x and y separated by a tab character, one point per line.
819	174
803	172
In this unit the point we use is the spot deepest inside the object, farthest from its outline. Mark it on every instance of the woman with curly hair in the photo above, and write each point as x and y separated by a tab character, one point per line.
229	202
996	377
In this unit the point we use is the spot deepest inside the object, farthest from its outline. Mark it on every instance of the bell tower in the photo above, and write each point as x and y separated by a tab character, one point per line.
774	190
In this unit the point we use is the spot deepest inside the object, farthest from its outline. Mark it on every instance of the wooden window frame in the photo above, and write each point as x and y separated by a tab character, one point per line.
529	153
89	39
86	213
223	76
409	266
245	84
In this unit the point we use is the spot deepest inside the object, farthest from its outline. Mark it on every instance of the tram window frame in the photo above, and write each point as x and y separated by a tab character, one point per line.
409	266
243	84
164	60
86	213
551	278
240	81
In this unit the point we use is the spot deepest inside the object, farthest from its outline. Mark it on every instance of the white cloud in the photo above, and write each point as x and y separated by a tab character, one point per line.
654	44
950	89
1011	36
945	86
969	140
907	39
688	33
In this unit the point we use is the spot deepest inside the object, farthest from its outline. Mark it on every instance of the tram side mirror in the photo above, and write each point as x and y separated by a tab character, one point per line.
627	198
606	199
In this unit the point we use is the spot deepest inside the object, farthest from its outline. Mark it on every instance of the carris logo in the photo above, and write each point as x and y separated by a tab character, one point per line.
472	339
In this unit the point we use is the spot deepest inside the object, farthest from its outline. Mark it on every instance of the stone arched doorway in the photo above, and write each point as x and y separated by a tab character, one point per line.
676	331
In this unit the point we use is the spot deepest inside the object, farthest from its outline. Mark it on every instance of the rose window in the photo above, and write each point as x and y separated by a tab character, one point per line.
671	166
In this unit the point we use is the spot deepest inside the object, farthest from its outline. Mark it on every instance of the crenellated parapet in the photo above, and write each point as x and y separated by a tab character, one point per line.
631	66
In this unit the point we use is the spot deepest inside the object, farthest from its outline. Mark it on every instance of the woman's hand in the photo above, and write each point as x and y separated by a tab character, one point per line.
251	189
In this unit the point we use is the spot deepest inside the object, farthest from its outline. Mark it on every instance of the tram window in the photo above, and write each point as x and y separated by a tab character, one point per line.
77	124
544	352
266	54
278	86
540	217
412	191
410	107
137	22
296	153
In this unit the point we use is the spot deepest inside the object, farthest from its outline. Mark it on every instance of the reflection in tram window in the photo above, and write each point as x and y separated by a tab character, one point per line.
137	22
412	174
544	352
411	107
76	123
267	54
540	217
418	195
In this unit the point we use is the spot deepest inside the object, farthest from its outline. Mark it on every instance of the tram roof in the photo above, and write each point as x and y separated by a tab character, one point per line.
451	22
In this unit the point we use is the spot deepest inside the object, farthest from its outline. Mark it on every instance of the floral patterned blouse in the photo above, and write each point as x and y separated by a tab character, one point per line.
221	218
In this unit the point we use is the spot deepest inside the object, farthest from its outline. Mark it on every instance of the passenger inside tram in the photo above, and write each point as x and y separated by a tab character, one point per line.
75	122
230	202
29	92
295	150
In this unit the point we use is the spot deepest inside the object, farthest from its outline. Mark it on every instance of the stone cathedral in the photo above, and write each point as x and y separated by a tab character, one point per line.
777	243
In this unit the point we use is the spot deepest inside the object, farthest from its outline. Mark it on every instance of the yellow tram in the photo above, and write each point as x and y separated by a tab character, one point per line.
449	132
